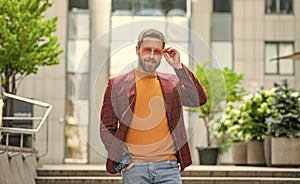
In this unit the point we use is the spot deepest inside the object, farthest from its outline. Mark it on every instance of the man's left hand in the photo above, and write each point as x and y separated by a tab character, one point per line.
172	56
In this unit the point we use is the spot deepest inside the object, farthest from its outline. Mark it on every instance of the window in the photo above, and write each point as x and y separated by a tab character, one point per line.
149	7
77	82
270	6
279	6
277	66
286	6
222	6
222	51
78	56
121	7
79	4
221	39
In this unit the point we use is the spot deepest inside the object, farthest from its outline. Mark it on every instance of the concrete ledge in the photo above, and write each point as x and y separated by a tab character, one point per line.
238	181
186	180
78	180
192	171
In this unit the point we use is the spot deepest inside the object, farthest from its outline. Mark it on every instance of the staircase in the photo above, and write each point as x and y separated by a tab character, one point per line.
96	174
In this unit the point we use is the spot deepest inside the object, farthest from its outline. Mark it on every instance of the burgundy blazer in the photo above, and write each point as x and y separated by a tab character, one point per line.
118	104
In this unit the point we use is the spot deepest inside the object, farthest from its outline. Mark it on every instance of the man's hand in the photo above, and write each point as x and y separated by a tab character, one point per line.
172	56
127	167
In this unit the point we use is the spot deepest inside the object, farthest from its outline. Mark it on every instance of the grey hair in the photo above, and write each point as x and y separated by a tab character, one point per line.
153	33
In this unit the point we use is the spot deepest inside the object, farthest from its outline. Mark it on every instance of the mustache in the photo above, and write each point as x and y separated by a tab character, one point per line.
149	60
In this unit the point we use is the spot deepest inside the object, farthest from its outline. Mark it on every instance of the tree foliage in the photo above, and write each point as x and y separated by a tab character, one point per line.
222	86
26	40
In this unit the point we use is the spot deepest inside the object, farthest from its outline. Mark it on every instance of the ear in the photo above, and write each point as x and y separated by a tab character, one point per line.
137	50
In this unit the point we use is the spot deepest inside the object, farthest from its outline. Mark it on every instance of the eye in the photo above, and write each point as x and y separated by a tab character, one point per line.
157	52
147	50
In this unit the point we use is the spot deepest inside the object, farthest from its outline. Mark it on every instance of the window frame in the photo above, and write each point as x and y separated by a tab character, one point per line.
278	10
278	60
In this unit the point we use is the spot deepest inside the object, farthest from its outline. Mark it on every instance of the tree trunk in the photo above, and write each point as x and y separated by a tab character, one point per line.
207	132
9	87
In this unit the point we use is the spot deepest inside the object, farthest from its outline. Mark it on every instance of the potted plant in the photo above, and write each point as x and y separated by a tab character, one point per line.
245	128
221	85
255	111
282	147
231	136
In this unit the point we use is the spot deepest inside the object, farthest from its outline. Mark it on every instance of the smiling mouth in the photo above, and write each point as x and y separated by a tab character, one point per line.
150	62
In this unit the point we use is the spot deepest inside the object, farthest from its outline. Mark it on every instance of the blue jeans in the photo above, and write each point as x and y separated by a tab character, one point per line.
166	172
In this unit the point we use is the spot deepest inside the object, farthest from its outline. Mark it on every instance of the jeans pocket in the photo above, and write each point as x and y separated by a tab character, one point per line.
173	163
130	168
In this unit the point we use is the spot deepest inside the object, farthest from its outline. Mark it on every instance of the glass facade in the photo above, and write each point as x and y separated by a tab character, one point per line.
221	34
125	26
149	7
77	66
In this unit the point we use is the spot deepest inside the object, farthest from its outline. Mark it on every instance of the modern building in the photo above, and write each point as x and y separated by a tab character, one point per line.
99	37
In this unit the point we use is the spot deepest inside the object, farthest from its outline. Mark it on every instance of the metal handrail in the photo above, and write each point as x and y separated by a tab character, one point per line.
23	131
22	118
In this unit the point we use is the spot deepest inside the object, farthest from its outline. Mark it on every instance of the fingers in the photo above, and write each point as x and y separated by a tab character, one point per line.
172	56
170	52
127	167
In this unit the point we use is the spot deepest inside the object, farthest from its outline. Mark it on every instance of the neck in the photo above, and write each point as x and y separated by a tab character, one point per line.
141	74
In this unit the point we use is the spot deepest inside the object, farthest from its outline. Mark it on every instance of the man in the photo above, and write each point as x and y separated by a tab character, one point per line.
142	124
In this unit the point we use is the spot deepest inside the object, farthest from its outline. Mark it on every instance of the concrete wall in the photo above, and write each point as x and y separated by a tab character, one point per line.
17	170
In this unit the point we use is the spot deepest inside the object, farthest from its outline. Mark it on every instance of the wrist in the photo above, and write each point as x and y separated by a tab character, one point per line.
178	66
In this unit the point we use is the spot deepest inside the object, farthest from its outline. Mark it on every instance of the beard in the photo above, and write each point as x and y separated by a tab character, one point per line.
148	65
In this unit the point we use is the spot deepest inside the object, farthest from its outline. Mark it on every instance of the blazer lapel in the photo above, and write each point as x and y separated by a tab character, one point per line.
129	89
167	90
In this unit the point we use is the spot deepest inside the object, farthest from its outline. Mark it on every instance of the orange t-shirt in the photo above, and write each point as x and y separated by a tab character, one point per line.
148	137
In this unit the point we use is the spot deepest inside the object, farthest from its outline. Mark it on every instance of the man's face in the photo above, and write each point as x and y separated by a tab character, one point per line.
149	54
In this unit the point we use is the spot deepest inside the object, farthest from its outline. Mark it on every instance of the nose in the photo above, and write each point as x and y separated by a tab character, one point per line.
152	53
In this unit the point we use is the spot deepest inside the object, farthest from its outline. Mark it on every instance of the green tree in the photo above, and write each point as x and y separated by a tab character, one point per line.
221	85
27	41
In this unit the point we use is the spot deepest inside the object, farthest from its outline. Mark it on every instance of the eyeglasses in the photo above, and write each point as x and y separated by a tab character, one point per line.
151	50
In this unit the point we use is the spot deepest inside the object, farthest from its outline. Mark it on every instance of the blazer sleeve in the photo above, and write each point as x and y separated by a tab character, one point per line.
191	91
108	118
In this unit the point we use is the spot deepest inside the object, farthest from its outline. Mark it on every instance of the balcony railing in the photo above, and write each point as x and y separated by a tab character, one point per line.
43	121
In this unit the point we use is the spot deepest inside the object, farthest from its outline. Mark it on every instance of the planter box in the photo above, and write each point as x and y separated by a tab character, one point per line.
244	153
225	158
239	153
235	155
282	151
255	153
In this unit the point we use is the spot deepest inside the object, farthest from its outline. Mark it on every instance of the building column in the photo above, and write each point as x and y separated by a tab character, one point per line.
99	73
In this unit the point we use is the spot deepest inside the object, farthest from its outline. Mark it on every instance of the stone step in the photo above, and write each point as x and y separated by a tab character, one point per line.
192	171
185	180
